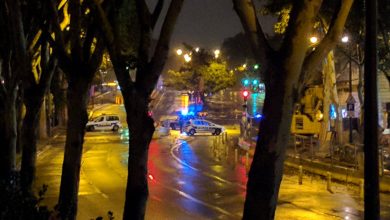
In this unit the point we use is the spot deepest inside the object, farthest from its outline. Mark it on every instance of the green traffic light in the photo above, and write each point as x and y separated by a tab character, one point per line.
246	82
255	82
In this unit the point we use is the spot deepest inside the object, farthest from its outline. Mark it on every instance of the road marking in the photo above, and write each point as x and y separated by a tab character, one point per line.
176	148
43	150
159	100
188	196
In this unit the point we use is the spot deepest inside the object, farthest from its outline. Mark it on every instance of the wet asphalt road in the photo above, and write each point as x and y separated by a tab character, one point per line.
189	178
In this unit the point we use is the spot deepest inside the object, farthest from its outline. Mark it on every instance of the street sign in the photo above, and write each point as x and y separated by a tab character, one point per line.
351	99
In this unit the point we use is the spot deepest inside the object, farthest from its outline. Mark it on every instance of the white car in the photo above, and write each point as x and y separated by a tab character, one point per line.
104	122
203	126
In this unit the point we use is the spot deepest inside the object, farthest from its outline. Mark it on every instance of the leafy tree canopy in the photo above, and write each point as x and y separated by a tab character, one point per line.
236	50
354	27
214	75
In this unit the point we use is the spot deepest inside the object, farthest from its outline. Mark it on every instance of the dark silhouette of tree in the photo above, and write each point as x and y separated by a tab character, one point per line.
35	85
13	68
79	48
128	29
288	70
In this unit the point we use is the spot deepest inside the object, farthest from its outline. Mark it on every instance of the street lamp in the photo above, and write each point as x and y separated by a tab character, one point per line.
197	49
216	53
313	40
345	39
179	52
187	57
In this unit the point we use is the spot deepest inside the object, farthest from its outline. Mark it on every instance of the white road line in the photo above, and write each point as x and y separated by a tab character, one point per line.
188	196
159	100
176	148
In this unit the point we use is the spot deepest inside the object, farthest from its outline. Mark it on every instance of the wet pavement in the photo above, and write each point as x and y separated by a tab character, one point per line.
189	178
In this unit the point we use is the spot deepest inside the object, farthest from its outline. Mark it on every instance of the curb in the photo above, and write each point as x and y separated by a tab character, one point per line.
342	174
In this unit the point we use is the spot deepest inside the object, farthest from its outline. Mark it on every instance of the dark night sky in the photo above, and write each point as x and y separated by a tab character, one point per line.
206	23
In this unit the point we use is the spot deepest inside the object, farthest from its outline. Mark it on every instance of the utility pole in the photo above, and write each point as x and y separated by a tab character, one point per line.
371	164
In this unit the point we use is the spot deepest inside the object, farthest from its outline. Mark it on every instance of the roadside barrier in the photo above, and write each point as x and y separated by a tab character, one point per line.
236	155
300	176
329	181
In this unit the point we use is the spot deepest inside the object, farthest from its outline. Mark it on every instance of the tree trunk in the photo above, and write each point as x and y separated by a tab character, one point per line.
8	137
33	102
42	122
77	99
266	170
136	105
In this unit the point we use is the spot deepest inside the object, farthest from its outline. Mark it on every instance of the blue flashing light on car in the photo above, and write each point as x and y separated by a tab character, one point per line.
184	112
258	115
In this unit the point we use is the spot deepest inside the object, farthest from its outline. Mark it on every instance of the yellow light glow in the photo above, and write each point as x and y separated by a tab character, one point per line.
345	39
313	40
216	53
179	52
187	57
319	115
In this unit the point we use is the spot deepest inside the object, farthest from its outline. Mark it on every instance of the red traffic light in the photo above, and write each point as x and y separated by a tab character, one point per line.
245	93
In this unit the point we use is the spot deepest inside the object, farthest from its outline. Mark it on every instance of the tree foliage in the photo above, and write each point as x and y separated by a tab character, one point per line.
236	50
215	77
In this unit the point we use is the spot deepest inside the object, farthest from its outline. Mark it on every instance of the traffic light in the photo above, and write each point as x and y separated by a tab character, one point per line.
245	94
246	82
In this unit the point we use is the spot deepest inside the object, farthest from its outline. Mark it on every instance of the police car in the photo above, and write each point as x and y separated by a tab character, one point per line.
104	122
203	126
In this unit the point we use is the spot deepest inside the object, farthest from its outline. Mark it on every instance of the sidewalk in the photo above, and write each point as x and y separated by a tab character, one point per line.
43	144
321	167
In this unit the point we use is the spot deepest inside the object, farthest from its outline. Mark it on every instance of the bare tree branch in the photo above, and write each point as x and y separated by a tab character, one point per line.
48	60
87	50
75	29
96	57
145	22
296	41
247	14
157	12
104	24
329	41
162	48
58	44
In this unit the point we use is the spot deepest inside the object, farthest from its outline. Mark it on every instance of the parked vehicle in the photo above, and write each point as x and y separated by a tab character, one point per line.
203	126
104	122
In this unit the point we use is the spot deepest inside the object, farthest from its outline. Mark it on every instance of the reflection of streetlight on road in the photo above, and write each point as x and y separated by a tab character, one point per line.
187	57
179	52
